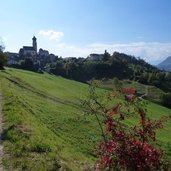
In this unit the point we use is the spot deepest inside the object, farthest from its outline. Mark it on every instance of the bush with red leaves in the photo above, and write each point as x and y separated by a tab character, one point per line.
124	147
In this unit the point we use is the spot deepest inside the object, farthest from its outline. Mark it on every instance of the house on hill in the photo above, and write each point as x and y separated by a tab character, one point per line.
95	57
29	50
43	52
12	58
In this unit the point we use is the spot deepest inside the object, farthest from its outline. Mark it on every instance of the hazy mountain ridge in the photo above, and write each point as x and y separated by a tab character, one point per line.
166	64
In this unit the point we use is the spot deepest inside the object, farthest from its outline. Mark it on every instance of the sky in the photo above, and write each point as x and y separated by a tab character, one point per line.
76	28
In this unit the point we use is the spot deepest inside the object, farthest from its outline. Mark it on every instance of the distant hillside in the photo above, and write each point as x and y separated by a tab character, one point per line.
108	66
118	65
166	64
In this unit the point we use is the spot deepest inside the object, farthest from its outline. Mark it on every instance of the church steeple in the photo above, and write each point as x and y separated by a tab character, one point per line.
35	44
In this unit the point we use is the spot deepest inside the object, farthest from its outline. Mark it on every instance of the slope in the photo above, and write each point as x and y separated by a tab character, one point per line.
45	128
166	64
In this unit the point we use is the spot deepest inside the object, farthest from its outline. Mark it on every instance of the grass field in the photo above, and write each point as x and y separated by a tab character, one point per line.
45	128
151	93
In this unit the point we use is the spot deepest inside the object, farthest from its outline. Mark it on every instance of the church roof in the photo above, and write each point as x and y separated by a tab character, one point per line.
28	48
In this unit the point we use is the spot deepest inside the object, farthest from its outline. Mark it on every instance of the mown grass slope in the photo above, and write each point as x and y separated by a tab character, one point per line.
45	128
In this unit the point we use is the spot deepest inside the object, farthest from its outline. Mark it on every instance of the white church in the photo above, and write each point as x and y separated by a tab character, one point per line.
32	50
29	50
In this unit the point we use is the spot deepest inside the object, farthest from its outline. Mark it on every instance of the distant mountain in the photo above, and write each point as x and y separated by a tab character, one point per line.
166	64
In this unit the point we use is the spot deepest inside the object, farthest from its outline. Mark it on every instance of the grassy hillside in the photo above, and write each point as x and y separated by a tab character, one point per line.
151	93
45	128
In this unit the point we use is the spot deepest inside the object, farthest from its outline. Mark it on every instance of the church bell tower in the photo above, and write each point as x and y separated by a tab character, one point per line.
35	44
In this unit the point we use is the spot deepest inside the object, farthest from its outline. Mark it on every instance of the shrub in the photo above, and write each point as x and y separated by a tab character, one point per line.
123	147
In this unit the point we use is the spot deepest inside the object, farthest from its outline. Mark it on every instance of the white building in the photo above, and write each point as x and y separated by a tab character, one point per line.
95	56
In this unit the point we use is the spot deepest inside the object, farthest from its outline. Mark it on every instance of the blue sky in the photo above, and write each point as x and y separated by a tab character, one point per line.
79	27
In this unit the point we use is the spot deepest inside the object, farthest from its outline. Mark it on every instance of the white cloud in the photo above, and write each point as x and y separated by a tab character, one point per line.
152	52
51	34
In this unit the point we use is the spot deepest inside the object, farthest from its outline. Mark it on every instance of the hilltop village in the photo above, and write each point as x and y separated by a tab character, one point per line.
39	59
32	55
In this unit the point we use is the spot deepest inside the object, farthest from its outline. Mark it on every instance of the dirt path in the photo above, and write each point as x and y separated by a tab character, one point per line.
1	146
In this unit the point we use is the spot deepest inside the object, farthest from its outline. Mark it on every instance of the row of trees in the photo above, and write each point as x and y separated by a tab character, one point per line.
155	78
116	65
84	70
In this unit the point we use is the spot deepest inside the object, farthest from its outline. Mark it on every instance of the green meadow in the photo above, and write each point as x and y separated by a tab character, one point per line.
45	127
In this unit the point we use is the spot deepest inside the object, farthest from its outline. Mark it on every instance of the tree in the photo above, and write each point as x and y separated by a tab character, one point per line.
59	68
27	64
151	78
168	76
166	100
3	58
